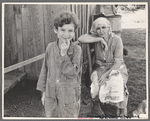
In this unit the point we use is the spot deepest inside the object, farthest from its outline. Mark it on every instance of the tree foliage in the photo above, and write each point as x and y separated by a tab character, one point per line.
130	7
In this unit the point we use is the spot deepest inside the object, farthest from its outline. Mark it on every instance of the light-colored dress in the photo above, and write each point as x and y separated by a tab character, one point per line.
105	60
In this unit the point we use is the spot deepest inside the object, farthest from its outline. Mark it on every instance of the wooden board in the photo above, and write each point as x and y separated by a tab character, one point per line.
28	40
47	24
50	12
33	30
10	37
18	18
24	63
38	35
11	79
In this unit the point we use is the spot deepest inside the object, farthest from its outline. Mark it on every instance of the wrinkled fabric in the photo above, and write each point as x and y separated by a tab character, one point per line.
112	90
115	52
60	78
94	85
105	61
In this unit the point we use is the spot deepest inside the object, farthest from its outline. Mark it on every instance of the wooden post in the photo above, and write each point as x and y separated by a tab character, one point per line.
76	11
88	48
18	18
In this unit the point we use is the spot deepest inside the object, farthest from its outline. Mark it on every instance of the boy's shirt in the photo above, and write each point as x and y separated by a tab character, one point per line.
58	69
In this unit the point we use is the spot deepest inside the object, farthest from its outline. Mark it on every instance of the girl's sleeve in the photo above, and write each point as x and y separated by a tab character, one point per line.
43	74
118	53
71	67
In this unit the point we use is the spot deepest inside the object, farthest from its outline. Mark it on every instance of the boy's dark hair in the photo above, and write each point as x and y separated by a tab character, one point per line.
66	17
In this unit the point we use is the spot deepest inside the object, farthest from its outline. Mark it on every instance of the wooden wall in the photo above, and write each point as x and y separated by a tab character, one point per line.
29	28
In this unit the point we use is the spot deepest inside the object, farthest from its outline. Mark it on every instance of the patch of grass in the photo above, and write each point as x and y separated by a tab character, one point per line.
134	37
134	40
136	83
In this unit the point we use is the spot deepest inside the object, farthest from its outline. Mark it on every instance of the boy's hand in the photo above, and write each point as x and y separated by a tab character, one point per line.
43	98
64	47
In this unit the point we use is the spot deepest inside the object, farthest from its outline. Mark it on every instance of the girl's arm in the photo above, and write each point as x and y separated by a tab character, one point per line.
86	38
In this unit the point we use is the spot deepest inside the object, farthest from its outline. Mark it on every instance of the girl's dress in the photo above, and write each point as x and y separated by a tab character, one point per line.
105	59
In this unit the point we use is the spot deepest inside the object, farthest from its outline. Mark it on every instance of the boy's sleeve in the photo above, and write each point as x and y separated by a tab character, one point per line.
43	74
71	67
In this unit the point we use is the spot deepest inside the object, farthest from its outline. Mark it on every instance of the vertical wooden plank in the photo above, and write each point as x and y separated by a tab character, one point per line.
18	19
84	13
86	16
28	42
81	15
80	18
84	46
77	31
84	50
68	7
38	34
14	39
73	8
50	11
7	43
88	48
10	54
47	24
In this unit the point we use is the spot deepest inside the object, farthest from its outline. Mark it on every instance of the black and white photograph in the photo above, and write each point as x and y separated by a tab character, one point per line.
77	60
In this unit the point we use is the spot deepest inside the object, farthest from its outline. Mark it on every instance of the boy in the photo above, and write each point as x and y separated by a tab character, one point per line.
60	76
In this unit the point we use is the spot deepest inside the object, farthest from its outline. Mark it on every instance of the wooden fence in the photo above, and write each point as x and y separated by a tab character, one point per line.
28	28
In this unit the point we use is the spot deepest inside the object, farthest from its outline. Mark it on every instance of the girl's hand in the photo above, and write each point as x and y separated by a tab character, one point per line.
64	47
102	80
43	98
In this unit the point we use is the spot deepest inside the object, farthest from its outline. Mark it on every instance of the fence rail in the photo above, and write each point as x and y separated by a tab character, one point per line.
24	63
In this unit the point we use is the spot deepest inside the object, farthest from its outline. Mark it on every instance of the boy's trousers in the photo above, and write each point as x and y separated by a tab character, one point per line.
64	102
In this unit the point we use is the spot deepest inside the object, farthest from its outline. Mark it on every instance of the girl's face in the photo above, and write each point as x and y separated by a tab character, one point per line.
65	33
102	30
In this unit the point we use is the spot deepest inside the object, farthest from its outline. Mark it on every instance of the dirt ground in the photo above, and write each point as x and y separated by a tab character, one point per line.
24	100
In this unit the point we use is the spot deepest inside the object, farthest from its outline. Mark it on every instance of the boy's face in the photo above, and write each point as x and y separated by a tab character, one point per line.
65	33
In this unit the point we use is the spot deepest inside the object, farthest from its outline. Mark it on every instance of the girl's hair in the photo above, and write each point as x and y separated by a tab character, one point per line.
66	17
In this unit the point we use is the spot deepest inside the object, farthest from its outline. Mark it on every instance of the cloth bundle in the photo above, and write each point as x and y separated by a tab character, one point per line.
112	91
